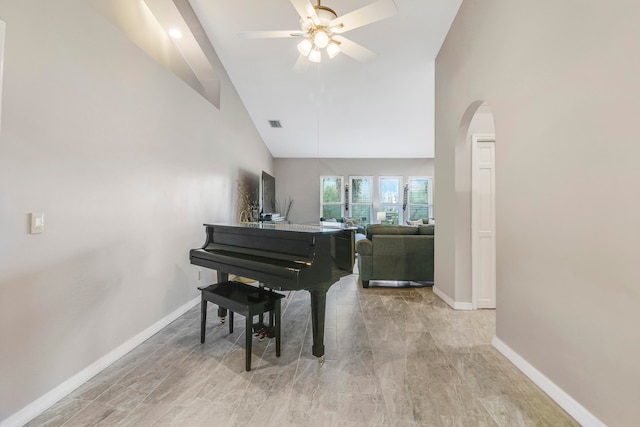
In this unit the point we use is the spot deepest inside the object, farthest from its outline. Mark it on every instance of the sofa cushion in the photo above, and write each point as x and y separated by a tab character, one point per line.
390	229
416	222
426	229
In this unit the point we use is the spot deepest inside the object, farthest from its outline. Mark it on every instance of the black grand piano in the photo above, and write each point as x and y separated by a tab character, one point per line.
281	256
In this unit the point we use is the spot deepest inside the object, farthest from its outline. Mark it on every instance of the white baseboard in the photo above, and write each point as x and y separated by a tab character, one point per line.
453	304
463	306
566	402
44	402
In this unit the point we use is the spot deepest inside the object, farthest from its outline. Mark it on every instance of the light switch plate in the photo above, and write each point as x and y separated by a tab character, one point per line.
37	223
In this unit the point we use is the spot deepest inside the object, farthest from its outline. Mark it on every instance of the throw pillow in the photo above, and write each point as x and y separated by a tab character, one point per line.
416	222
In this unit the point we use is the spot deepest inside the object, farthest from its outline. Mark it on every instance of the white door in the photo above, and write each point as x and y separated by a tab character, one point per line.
483	221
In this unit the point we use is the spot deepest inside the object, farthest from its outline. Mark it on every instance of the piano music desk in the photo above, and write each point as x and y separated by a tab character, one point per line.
246	300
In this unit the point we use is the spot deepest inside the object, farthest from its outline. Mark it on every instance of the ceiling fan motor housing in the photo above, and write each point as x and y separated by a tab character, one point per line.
325	14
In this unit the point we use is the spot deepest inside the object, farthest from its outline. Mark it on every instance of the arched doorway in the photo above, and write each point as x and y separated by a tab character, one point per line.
475	209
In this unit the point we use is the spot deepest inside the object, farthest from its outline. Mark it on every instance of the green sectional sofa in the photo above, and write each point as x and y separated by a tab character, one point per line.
396	252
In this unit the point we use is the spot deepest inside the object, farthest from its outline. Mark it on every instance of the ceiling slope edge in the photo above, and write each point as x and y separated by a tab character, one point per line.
147	22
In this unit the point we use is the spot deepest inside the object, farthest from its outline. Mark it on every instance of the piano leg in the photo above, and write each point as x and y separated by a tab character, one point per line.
318	308
203	319
222	312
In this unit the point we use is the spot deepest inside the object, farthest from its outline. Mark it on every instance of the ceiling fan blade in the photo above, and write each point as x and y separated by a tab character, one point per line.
269	34
365	15
301	64
355	50
306	10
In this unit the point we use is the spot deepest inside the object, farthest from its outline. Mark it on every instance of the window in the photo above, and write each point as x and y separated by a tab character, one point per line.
419	197
331	196
391	198
361	198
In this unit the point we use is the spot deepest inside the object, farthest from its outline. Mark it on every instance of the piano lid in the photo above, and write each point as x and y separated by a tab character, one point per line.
279	226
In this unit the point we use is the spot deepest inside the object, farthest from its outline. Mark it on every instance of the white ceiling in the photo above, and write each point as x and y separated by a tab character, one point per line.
340	107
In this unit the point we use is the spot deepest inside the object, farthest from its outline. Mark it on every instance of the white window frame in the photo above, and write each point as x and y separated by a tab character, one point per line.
429	204
398	204
352	203
341	190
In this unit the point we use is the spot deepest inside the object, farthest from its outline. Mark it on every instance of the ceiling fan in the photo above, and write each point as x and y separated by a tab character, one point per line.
321	28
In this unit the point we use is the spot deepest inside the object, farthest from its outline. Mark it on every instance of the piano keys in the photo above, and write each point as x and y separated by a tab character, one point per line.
283	257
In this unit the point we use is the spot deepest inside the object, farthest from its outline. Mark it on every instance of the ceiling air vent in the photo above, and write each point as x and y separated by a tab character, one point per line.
275	123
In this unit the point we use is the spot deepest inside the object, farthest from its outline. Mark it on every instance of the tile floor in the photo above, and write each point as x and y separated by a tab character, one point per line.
394	357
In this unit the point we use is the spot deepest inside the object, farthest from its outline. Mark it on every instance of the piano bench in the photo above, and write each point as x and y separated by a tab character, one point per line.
248	301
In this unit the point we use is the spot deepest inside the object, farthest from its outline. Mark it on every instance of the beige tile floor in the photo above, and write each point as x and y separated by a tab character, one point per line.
394	357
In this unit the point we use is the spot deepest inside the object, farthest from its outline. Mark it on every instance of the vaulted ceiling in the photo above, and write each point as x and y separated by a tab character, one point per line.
340	107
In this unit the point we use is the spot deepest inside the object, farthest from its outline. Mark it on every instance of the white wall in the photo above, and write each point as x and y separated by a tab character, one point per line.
299	179
126	161
565	97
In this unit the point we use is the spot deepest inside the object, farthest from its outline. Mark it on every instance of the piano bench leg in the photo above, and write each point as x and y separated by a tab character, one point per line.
230	321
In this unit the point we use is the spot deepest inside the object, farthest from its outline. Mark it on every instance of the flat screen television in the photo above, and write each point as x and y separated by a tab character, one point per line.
267	194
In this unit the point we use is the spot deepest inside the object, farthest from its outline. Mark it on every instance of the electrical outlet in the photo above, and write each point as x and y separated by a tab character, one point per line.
199	274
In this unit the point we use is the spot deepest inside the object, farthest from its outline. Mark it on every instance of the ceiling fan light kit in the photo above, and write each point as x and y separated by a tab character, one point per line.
314	55
304	47
320	38
321	28
333	49
318	32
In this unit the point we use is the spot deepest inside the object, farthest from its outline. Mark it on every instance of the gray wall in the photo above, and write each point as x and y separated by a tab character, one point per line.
565	98
299	179
127	162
